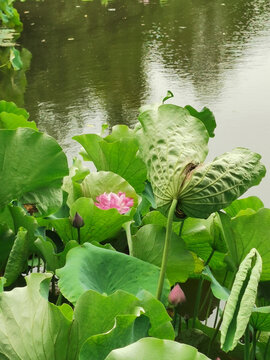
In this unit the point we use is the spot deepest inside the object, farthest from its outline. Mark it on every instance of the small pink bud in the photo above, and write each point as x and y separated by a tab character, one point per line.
177	295
217	358
77	221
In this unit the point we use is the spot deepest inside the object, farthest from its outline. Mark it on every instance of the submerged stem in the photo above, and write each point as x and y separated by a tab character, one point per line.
166	248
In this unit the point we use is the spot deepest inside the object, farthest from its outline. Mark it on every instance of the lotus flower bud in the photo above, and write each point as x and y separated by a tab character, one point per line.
77	221
177	295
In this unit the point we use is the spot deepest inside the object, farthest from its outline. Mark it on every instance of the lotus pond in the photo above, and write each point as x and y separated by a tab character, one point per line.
151	255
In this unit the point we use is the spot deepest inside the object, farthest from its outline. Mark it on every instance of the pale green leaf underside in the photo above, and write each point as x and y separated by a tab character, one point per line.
156	349
213	186
170	139
241	300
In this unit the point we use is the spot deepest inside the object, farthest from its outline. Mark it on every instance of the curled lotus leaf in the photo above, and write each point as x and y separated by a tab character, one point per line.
173	145
241	300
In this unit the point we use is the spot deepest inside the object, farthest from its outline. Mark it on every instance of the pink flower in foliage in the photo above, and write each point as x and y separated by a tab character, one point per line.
113	201
177	295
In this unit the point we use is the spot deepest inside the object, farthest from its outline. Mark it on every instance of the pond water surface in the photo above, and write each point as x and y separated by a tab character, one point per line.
93	64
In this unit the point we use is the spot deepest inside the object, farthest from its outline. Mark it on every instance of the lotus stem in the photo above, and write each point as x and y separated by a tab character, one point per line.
126	227
166	248
254	341
214	336
266	349
79	235
247	344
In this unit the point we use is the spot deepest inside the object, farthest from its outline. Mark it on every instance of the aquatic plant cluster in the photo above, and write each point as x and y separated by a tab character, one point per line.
129	261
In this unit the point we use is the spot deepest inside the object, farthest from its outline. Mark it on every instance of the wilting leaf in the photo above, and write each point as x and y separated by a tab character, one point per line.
171	141
117	153
37	163
241	300
213	186
106	271
173	145
156	349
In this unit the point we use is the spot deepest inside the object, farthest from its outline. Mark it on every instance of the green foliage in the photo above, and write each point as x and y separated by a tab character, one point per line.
155	349
38	167
9	16
106	271
116	152
241	300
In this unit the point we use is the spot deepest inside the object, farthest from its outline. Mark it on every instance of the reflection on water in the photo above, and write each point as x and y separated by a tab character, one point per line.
94	64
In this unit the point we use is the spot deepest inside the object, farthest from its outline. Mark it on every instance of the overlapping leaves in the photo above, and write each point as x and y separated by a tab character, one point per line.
173	145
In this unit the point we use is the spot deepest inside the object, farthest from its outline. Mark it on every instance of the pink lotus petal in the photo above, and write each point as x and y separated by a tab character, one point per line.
177	295
113	201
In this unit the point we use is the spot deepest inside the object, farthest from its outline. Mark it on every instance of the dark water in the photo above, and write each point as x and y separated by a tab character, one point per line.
93	64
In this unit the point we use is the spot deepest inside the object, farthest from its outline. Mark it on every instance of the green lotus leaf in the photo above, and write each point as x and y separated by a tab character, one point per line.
171	142
32	328
156	349
173	145
241	300
245	232
260	318
213	186
106	271
148	244
206	116
2	283
238	207
12	121
17	258
117	153
7	238
29	161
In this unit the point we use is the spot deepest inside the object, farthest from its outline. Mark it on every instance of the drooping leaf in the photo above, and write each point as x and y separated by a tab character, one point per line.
116	153
156	349
105	271
37	163
206	116
237	206
245	232
219	291
171	141
17	258
241	300
148	244
213	186
173	145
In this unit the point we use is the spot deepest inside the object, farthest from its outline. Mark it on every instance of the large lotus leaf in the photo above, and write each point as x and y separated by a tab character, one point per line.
206	116
156	349
31	328
148	244
260	318
171	143
17	258
211	187
29	161
241	300
238	207
116	153
106	271
245	232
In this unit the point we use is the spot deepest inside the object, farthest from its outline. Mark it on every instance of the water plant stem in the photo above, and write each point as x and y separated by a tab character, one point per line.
79	235
266	349
126	226
254	341
166	248
247	344
199	291
214	336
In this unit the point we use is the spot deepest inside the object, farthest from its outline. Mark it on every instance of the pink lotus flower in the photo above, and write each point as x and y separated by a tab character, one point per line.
113	201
